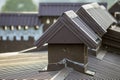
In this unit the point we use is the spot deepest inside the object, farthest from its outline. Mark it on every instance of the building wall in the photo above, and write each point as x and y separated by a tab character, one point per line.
74	52
30	32
16	40
15	45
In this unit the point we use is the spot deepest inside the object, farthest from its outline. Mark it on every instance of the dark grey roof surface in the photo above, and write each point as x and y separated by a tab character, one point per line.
56	9
115	7
15	19
96	17
108	68
74	24
112	37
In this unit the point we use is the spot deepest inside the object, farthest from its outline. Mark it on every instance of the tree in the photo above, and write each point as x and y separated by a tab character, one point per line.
19	6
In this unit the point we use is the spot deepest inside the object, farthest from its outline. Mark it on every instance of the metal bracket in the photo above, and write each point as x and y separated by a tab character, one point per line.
89	72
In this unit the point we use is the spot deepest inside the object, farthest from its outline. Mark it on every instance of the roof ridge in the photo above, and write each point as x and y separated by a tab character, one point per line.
70	23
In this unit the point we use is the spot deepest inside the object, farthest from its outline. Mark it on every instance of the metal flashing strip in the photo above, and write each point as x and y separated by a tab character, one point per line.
77	63
101	54
62	74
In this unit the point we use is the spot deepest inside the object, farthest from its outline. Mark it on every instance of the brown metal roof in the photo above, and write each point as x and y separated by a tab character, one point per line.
96	17
15	19
56	9
72	23
115	7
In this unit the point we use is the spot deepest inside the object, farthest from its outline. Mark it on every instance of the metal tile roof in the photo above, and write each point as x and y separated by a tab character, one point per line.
56	9
74	24
96	17
15	19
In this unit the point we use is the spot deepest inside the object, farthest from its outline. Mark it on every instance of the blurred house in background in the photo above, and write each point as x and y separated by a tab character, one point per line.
18	31
115	10
19	28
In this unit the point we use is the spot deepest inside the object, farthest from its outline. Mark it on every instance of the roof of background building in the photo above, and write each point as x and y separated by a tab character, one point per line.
115	7
15	19
56	9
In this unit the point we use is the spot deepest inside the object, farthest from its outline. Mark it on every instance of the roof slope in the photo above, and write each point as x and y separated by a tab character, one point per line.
97	17
108	68
15	19
56	9
75	25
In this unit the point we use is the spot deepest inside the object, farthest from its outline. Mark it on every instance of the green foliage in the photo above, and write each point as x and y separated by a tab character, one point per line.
19	6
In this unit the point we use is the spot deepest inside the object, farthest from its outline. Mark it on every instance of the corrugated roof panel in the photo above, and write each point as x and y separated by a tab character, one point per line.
108	68
96	17
104	14
90	21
